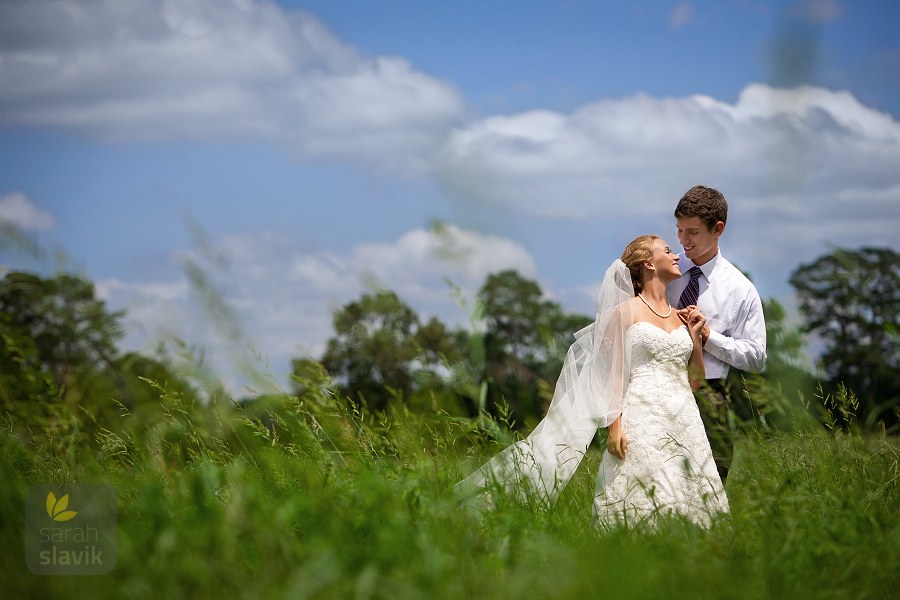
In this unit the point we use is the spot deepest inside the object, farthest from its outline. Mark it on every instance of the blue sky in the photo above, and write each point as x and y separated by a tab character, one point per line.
314	142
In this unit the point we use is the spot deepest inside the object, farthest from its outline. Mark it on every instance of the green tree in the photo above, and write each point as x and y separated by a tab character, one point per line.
27	388
61	370
58	339
376	346
525	342
781	392
851	300
436	345
70	327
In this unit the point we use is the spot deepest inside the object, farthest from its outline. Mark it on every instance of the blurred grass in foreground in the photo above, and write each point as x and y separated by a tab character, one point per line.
300	497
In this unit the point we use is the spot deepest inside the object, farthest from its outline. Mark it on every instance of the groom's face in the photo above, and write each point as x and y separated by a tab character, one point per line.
699	242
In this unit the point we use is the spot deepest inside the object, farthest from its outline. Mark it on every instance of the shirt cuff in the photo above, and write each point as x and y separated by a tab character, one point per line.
715	340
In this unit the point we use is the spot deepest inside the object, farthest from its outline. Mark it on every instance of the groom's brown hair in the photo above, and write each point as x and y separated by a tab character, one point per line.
706	203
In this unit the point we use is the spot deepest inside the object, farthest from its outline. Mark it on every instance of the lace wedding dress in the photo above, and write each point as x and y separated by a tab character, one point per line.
668	467
613	368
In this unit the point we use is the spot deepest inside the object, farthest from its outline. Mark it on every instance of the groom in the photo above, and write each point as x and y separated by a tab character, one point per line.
735	334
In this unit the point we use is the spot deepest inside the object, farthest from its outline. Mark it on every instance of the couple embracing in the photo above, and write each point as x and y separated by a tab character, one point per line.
668	328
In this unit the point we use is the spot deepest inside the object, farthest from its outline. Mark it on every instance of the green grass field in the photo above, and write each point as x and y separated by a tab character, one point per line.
306	498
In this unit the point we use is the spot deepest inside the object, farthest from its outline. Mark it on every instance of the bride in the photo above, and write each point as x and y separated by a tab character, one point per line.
631	371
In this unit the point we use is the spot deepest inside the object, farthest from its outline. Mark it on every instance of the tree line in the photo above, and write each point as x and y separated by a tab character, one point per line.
60	365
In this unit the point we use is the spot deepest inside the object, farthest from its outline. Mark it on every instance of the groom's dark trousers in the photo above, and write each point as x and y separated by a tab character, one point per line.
716	405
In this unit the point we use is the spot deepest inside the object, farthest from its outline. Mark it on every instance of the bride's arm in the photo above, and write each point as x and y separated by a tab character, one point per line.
615	363
696	371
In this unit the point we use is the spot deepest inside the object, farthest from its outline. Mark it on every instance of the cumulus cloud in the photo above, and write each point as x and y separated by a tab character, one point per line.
798	165
212	69
613	156
17	210
283	295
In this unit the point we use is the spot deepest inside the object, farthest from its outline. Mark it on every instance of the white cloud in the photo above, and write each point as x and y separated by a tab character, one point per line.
17	210
632	155
284	295
801	167
681	15
416	264
212	69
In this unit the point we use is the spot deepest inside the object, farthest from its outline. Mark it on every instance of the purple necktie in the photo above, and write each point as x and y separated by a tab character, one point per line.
692	291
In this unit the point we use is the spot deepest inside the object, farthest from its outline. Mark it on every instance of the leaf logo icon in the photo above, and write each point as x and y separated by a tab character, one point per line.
56	509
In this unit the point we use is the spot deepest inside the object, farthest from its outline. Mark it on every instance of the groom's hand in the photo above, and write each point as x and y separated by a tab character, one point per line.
685	315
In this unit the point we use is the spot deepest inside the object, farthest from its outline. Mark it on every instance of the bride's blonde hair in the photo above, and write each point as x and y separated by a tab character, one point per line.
635	254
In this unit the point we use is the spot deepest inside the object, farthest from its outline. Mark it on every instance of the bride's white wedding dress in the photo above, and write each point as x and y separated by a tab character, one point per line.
618	367
668	467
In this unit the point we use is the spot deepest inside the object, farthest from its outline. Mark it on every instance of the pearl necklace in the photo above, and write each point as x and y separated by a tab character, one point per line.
665	316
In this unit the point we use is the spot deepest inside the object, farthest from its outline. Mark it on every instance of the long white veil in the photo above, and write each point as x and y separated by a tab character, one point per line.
588	395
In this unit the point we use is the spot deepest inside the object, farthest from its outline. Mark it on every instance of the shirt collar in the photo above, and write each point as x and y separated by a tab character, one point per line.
707	268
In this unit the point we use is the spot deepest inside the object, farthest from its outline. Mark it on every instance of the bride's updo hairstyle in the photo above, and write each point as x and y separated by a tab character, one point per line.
635	255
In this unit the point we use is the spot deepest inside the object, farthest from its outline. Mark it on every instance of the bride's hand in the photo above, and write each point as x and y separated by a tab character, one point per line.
696	322
616	443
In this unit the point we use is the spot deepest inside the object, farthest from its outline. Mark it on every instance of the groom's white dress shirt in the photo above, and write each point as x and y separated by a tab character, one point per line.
731	304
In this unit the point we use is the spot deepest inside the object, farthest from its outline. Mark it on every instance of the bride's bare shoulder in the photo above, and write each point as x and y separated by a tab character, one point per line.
630	305
625	312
